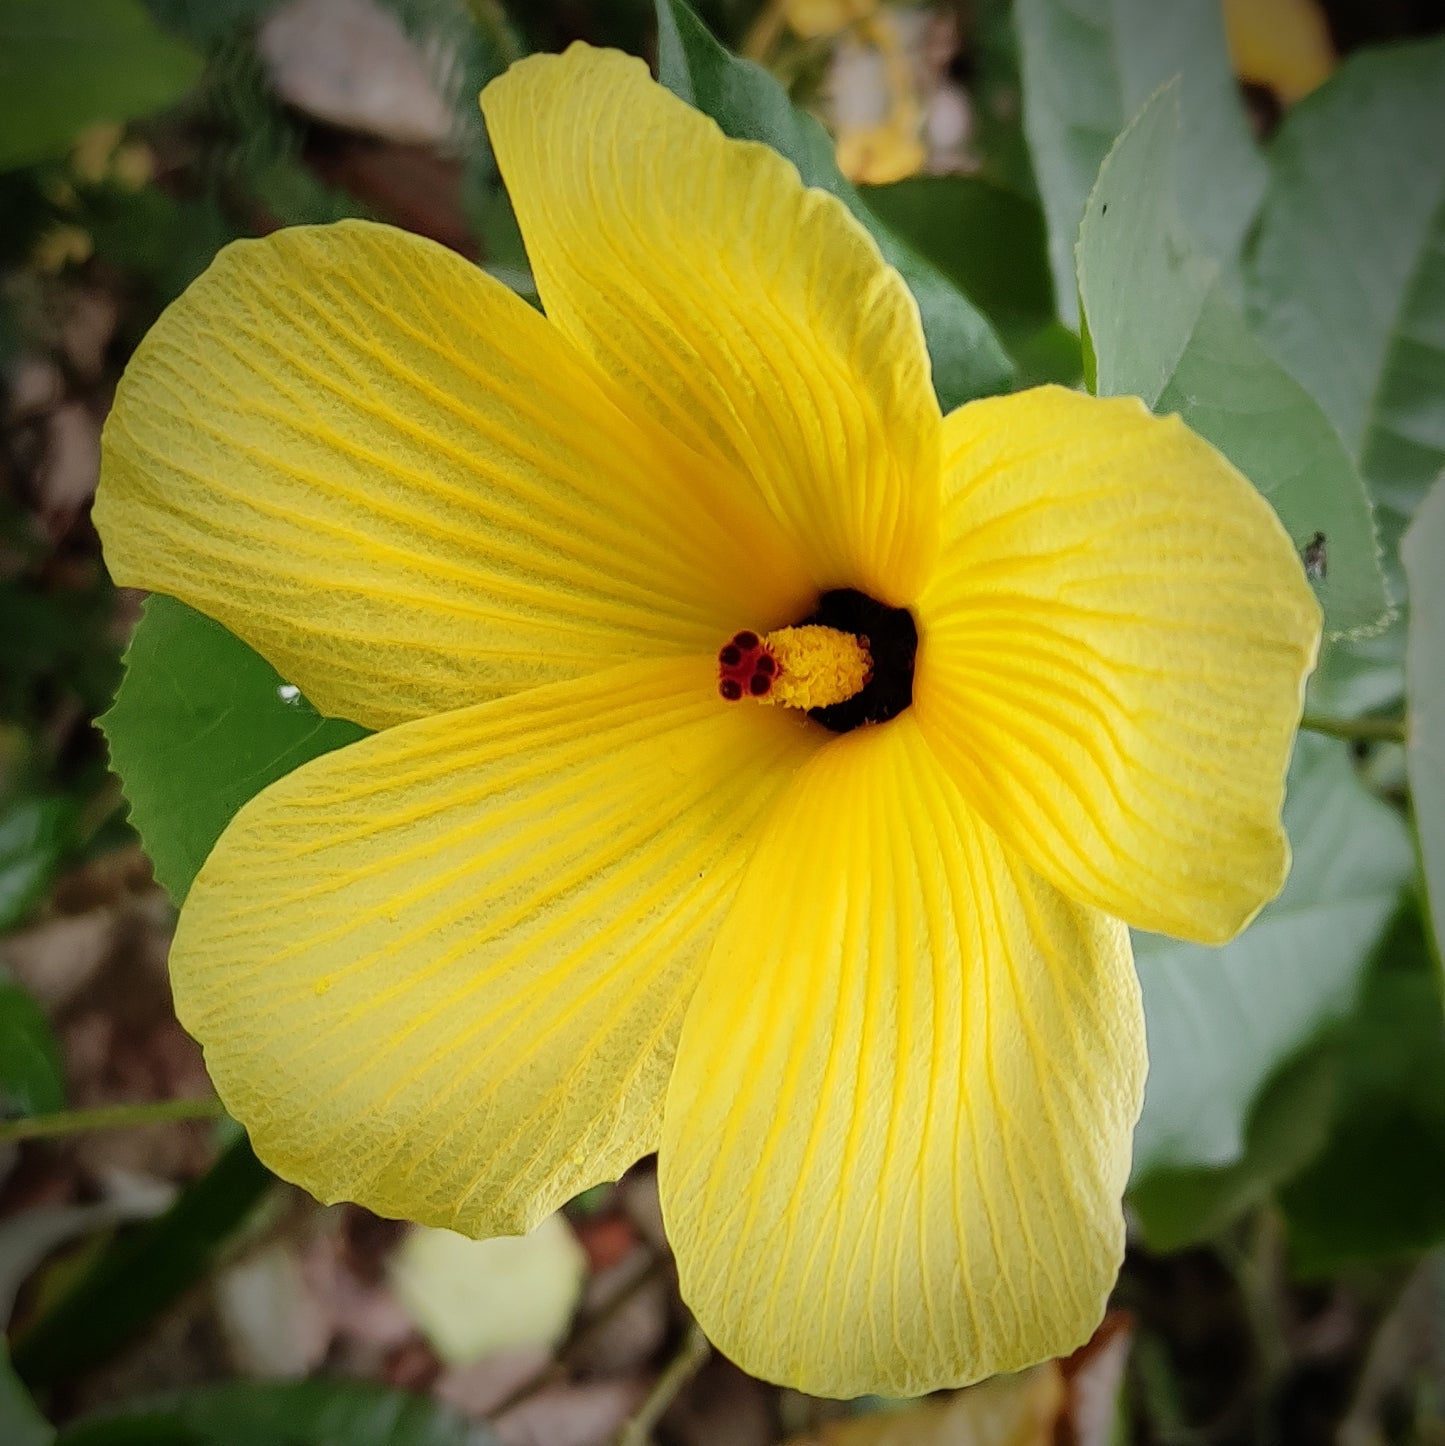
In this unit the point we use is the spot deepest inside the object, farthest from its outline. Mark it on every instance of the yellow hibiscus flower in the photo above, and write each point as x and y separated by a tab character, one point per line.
1284	44
866	989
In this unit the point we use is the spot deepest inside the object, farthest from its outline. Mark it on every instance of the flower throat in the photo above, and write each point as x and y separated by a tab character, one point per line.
849	662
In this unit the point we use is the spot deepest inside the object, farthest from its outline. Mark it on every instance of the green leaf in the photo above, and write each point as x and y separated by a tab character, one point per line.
1221	1021
68	64
1287	1128
141	1273
990	243
1088	66
1162	329
32	1078
54	639
162	241
1377	1190
200	725
20	1423
1358	675
1423	551
749	104
1238	398
1347	279
32	843
204	22
997	93
74	1234
1347	289
301	1413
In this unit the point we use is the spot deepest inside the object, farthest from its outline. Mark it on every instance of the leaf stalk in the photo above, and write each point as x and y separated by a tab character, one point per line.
110	1117
1356	730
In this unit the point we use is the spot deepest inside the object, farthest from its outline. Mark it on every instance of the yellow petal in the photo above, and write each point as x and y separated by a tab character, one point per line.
441	972
879	155
1284	44
396	481
898	1131
739	311
816	19
1112	657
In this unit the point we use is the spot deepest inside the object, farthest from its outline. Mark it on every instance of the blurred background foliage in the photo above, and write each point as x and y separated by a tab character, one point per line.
1286	1280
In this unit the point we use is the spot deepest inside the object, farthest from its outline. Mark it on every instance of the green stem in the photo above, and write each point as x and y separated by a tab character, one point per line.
1259	1274
1356	730
680	1370
111	1117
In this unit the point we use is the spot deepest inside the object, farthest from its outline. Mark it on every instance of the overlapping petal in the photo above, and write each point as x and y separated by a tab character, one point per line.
746	314
1112	657
898	1130
442	971
395	480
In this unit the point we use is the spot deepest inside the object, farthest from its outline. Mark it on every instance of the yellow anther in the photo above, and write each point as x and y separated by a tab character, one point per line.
817	666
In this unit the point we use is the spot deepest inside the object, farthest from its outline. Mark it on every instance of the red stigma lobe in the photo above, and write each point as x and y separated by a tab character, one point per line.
745	668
